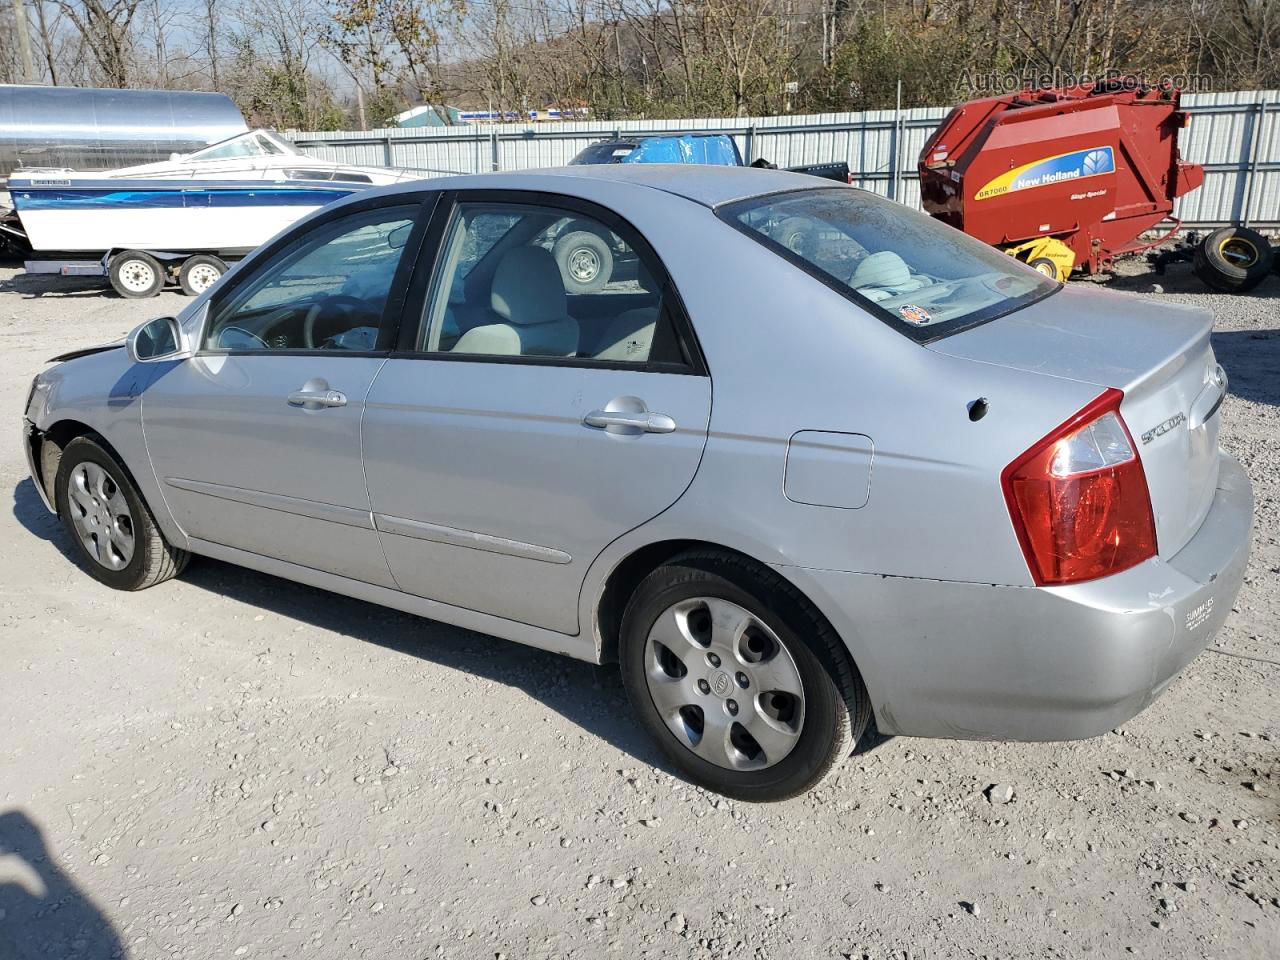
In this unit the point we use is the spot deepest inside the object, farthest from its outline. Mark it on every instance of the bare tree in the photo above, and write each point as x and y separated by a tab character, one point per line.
46	26
106	28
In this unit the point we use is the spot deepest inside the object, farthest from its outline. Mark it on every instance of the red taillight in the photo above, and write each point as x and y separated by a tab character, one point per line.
1079	498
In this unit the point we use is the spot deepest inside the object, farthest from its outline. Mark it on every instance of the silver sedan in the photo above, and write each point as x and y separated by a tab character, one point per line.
802	458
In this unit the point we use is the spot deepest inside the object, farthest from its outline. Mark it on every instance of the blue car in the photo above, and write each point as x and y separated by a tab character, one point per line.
717	149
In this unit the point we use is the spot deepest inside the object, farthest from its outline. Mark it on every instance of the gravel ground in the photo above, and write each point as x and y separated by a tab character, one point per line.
232	765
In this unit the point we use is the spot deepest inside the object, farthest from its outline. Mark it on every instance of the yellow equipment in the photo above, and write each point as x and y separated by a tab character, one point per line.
1048	255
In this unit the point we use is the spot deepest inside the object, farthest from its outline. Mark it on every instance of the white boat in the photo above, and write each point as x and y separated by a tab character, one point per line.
225	199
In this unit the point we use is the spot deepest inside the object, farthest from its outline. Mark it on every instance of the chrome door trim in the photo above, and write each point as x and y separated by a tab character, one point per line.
314	509
438	533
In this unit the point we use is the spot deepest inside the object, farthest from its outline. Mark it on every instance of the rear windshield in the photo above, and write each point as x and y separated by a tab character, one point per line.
920	276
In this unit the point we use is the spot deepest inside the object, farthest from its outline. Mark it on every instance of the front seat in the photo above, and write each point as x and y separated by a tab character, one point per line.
528	293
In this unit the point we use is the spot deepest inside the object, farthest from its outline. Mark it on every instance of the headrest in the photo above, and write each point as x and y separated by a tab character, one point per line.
527	287
883	269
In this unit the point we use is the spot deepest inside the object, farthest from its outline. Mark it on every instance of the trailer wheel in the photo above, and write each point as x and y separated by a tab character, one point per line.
136	275
1233	259
199	273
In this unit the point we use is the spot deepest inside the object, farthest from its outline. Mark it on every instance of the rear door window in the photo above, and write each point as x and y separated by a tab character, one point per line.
922	277
540	281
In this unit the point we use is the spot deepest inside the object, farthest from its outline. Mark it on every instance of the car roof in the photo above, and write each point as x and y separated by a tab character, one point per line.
663	135
706	184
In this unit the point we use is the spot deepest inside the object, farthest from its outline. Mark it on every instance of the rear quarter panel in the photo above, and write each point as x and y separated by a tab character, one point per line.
788	354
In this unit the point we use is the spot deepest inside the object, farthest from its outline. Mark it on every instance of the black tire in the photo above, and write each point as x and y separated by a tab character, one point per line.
585	261
836	708
1233	259
154	559
136	275
193	288
1044	265
1275	260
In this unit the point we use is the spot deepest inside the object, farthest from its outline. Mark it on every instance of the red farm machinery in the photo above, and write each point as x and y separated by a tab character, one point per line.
1075	177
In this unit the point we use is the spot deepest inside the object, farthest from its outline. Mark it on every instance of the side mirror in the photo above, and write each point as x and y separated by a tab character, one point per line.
398	237
158	339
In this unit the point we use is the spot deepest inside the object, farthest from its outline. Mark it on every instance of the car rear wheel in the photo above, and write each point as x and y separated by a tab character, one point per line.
1233	259
112	530
741	682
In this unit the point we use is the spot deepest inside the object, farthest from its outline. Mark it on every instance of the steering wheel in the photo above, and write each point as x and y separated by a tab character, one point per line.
342	301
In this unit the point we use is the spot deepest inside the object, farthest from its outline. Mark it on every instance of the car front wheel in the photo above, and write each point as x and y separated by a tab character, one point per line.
742	683
112	530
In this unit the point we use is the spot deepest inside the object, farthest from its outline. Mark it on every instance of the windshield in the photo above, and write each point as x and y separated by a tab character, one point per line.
923	278
256	143
611	151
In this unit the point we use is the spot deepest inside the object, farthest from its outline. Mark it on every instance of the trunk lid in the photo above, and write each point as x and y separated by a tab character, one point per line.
1158	354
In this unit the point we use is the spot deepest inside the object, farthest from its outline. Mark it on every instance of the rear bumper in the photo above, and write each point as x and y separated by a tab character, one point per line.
974	661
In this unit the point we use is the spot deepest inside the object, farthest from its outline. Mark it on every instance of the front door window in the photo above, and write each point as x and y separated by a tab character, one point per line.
329	293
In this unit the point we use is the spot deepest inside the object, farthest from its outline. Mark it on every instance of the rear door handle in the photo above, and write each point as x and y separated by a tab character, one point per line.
630	422
318	398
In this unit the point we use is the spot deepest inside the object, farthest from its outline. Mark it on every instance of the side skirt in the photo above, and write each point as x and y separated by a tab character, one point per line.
578	647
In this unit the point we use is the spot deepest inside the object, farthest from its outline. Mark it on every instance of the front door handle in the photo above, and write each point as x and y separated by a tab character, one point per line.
629	416
318	398
647	422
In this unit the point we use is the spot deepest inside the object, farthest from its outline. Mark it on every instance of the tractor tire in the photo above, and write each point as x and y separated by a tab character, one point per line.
1046	266
1233	259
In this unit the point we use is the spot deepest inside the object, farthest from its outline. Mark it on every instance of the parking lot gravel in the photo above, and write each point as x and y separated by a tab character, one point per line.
232	765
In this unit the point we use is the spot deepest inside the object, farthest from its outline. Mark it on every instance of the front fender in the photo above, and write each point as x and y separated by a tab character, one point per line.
103	393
